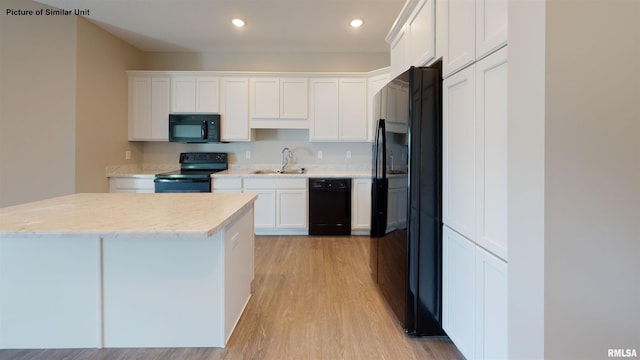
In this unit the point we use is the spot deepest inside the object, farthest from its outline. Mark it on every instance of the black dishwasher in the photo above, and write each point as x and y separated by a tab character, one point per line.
329	206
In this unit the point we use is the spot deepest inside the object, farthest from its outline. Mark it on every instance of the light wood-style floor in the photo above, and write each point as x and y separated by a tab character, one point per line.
313	299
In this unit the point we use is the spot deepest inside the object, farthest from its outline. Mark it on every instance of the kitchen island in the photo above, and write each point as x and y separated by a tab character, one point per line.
125	270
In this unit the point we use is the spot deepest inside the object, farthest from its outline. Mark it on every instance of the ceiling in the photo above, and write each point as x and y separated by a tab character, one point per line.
272	25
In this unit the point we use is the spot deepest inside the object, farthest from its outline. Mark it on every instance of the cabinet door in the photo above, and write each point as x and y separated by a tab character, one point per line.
422	37
183	91
491	152
160	99
491	25
491	307
325	112
265	98
207	94
292	209
458	178
294	98
361	204
264	208
235	109
353	109
374	85
399	53
139	108
460	43
458	287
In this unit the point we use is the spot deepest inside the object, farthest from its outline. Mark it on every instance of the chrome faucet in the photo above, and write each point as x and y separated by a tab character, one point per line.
284	160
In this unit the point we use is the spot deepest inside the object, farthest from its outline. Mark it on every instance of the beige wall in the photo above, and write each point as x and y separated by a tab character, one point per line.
592	178
101	116
303	62
37	105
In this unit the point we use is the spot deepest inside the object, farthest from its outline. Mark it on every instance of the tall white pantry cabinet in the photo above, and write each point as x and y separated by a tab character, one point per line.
475	237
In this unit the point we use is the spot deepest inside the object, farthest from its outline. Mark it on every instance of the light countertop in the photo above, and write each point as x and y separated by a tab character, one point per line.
308	174
113	215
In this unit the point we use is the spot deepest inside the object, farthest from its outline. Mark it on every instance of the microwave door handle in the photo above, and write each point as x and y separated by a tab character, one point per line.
204	130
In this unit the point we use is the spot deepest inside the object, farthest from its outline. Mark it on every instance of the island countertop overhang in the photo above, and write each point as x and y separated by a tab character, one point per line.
134	215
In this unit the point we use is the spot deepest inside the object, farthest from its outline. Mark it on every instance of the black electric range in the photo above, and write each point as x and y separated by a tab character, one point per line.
194	173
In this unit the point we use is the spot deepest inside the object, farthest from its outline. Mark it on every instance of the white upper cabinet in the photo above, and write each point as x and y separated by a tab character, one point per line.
234	112
399	52
413	38
459	152
491	25
183	94
281	99
353	109
325	109
491	152
460	29
265	98
338	110
421	27
195	94
294	98
207	94
474	29
149	99
374	84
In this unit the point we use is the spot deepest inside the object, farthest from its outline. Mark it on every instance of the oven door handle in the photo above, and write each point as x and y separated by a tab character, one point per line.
182	180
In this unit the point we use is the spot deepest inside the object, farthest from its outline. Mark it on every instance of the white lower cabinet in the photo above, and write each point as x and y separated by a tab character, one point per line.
281	207
226	184
130	184
292	208
265	205
458	305
360	206
474	298
491	306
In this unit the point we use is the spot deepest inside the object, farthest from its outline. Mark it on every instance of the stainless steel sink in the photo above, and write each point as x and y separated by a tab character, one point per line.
278	171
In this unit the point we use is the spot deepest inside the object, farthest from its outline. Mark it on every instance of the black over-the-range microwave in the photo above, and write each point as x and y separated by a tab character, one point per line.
194	128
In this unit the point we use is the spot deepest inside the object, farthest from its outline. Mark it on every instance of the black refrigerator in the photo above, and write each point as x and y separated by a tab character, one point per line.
406	257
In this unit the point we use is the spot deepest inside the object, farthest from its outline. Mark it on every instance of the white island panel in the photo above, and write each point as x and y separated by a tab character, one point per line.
125	270
49	292
163	292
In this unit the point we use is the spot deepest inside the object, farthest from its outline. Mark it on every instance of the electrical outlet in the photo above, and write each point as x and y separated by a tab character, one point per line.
127	155
319	154
247	154
348	154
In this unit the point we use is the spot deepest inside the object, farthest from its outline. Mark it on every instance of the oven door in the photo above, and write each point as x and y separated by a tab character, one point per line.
182	185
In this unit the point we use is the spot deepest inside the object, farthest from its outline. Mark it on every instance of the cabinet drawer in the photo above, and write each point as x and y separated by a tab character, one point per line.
227	183
275	183
133	183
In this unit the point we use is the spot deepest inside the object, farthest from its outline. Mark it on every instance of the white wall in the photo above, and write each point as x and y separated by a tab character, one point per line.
592	178
37	105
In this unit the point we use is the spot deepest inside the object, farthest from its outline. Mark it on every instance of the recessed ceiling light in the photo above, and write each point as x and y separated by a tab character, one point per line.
238	22
356	23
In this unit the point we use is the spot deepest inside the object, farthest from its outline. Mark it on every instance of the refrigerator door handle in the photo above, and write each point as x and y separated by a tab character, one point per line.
381	171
